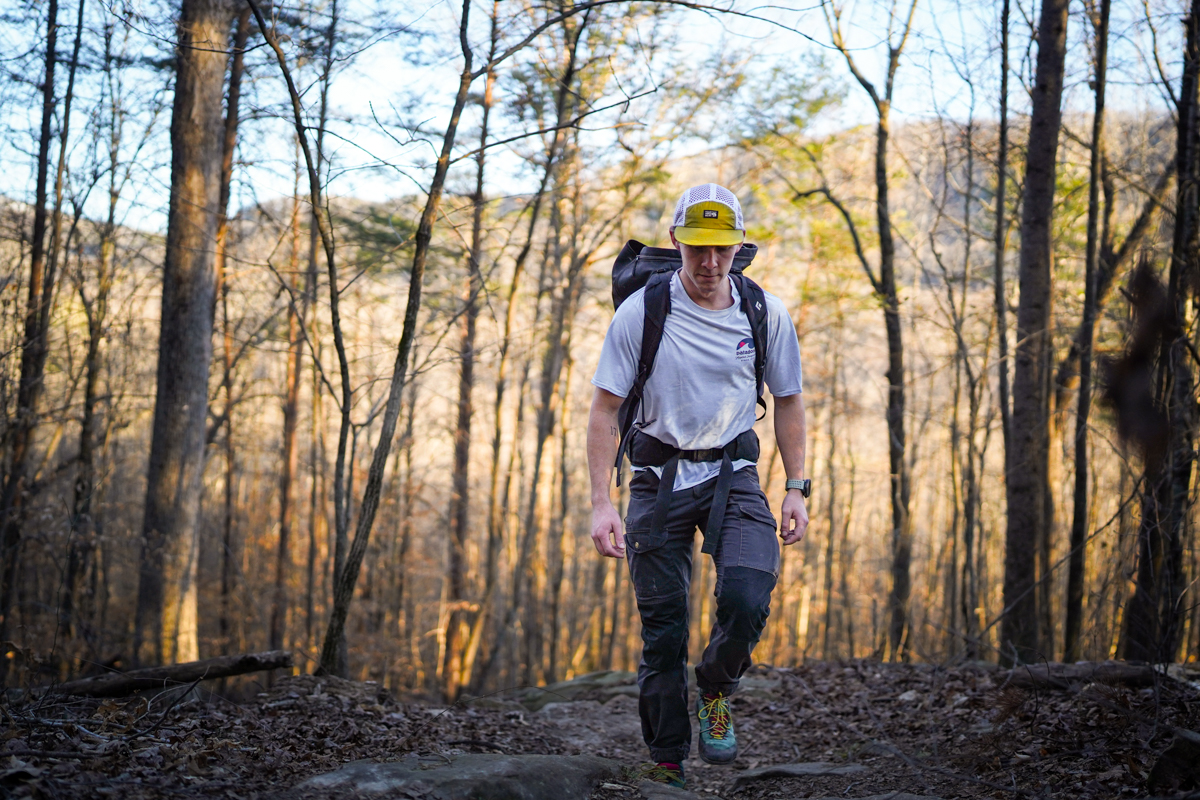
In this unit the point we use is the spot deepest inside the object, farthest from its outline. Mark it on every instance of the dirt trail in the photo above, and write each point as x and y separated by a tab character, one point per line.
919	729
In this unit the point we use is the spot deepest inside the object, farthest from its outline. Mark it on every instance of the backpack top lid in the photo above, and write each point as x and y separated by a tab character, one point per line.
636	263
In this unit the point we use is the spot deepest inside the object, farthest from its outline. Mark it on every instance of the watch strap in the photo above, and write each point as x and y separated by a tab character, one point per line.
803	484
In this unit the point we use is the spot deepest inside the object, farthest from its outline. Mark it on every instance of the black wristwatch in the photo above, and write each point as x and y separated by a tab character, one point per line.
805	486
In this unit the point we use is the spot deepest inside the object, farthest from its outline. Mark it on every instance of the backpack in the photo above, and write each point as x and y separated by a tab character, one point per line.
638	265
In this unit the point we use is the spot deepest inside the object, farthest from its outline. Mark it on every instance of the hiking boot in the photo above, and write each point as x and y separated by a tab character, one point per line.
664	772
718	744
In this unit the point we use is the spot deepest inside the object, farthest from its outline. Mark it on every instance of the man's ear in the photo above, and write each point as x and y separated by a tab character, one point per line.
673	240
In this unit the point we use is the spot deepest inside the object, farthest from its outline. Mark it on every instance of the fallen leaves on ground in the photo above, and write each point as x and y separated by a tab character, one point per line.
944	732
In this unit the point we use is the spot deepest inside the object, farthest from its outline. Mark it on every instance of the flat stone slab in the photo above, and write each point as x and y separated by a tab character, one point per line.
887	796
660	791
469	777
607	683
806	769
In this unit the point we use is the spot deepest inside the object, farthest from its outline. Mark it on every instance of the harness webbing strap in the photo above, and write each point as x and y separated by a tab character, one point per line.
666	487
654	452
716	513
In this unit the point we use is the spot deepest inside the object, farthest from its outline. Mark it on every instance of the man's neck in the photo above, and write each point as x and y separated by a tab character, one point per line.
719	299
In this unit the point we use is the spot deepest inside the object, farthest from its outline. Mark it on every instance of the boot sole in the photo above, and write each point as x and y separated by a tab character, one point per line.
715	762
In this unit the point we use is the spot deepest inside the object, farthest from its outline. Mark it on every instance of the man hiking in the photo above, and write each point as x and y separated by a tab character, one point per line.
693	451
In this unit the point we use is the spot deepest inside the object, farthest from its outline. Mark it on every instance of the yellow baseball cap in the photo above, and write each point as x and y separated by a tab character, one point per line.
709	215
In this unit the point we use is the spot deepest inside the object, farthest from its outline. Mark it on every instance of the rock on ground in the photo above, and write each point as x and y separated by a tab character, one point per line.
802	770
467	777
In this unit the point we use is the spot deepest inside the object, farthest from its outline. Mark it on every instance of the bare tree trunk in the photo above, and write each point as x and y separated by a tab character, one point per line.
971	489
846	558
316	492
232	119
459	637
165	627
33	351
80	546
564	103
560	530
310	291
832	501
296	318
1075	576
1155	615
229	569
1001	241
345	579
1028	525
901	522
885	290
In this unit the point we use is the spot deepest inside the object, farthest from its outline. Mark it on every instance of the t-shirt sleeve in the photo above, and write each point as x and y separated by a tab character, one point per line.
622	348
783	373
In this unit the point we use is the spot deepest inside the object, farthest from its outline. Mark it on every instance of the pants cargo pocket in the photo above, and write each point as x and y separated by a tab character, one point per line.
655	573
754	543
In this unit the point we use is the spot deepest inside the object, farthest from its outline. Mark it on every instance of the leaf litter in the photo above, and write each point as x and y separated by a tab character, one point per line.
931	731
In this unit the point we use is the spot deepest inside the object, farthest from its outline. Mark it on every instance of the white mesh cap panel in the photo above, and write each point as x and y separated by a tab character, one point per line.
705	193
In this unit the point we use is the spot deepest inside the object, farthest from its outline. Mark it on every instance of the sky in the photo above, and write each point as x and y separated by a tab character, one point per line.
402	61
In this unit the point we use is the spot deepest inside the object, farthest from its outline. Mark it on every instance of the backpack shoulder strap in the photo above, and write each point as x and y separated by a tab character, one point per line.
754	304
657	301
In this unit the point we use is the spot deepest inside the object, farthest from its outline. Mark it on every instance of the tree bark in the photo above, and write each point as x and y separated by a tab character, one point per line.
458	631
289	461
1028	501
166	617
1072	645
79	549
1001	244
137	680
885	290
832	501
344	580
564	99
229	145
297	319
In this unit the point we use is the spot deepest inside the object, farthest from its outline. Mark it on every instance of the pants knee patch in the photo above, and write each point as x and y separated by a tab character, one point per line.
744	602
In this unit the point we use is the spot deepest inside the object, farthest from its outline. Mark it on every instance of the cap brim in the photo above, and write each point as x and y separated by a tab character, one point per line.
709	237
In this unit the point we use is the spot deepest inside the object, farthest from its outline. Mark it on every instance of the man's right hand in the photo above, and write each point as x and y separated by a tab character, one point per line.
607	530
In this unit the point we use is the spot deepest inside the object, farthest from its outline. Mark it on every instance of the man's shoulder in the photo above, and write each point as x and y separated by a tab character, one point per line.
775	305
631	312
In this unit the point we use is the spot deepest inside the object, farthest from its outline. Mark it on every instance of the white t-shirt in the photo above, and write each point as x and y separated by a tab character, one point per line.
701	391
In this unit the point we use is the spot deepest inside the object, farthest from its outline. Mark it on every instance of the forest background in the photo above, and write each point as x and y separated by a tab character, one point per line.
301	303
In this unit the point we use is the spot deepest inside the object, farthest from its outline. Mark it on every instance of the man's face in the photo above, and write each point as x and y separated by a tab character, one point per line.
706	268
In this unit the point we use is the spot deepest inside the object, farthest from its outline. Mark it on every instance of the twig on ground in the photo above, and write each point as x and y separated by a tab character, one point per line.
163	717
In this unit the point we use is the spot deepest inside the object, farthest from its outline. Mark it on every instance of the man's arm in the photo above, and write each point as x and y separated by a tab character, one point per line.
602	452
790	434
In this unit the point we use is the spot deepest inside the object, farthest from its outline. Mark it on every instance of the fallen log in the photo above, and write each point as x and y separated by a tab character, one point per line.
117	684
1063	676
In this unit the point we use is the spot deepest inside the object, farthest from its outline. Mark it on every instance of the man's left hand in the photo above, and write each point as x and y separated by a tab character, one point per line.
795	518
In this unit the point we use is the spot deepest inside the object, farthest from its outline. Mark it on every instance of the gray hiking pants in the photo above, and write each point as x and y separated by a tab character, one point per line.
747	564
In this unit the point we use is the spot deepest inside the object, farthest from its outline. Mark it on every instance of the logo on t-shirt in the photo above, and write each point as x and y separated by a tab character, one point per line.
745	350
